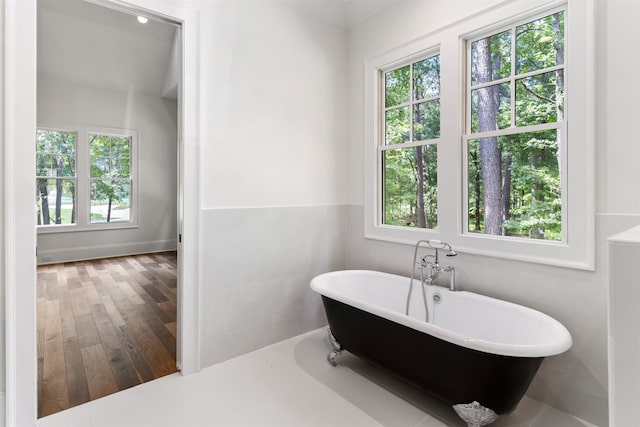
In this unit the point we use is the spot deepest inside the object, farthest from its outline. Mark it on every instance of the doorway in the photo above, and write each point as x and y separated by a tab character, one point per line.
107	184
19	245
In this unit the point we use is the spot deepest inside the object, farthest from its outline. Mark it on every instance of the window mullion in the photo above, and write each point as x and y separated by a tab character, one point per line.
468	89
411	144
82	178
490	83
512	82
411	102
513	130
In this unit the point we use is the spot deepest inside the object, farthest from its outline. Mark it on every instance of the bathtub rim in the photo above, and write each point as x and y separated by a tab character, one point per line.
550	348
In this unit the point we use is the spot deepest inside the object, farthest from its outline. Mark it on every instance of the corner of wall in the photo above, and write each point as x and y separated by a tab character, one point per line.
2	156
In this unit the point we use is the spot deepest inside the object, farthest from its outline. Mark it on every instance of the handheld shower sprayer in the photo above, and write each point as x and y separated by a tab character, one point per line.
439	244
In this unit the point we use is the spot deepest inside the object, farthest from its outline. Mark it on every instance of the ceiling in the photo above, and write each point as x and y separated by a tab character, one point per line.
92	45
344	13
95	46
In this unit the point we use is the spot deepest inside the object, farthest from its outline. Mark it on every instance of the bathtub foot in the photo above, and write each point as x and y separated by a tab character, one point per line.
474	414
337	349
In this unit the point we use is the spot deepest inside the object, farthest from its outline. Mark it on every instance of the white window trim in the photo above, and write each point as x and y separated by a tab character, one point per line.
412	143
83	180
577	250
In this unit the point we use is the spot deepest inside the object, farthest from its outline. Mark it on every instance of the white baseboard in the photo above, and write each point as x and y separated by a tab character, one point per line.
82	253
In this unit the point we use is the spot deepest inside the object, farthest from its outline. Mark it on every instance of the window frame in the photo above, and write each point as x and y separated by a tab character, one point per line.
74	178
83	180
412	142
468	134
577	249
92	180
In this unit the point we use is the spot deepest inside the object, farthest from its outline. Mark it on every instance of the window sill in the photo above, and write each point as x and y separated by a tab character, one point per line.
550	253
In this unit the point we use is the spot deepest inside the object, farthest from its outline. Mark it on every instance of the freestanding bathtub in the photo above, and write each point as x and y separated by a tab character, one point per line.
474	348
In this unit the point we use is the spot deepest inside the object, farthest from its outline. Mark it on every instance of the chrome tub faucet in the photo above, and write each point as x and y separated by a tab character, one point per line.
430	264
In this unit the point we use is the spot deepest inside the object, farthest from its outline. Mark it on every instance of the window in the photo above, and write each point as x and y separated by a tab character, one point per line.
409	151
56	177
500	158
515	128
110	164
85	178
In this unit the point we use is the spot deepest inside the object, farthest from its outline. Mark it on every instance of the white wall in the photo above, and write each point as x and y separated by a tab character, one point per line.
62	103
273	168
2	278
618	107
273	103
577	380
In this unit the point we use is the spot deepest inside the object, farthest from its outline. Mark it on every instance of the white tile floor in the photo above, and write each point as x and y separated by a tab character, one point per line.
286	384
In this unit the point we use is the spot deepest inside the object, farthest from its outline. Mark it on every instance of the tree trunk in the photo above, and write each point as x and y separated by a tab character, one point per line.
559	47
536	232
506	193
44	198
475	183
489	150
421	221
73	203
59	166
109	209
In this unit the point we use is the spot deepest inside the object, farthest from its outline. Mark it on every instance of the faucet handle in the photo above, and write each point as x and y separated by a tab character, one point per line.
424	261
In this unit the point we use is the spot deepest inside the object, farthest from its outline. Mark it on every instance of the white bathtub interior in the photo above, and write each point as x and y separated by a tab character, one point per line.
463	318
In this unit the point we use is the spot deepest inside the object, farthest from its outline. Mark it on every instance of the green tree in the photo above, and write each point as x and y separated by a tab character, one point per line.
110	168
412	115
515	180
55	169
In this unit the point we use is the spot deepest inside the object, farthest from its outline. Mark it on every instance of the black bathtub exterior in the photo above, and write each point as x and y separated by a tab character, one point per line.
449	372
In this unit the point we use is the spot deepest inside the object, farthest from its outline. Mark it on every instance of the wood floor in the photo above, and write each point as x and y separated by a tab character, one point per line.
104	326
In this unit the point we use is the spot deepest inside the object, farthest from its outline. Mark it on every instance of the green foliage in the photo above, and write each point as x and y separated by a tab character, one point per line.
55	176
538	44
536	101
426	78
535	208
426	120
397	86
110	168
529	162
410	173
397	126
55	153
530	169
401	186
110	156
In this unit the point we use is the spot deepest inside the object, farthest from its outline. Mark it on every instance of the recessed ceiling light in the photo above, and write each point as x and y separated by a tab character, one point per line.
142	20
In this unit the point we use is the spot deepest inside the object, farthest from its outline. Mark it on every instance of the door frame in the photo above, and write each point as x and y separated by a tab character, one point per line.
18	189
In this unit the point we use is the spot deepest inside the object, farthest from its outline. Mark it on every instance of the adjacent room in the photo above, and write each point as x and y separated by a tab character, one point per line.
106	182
